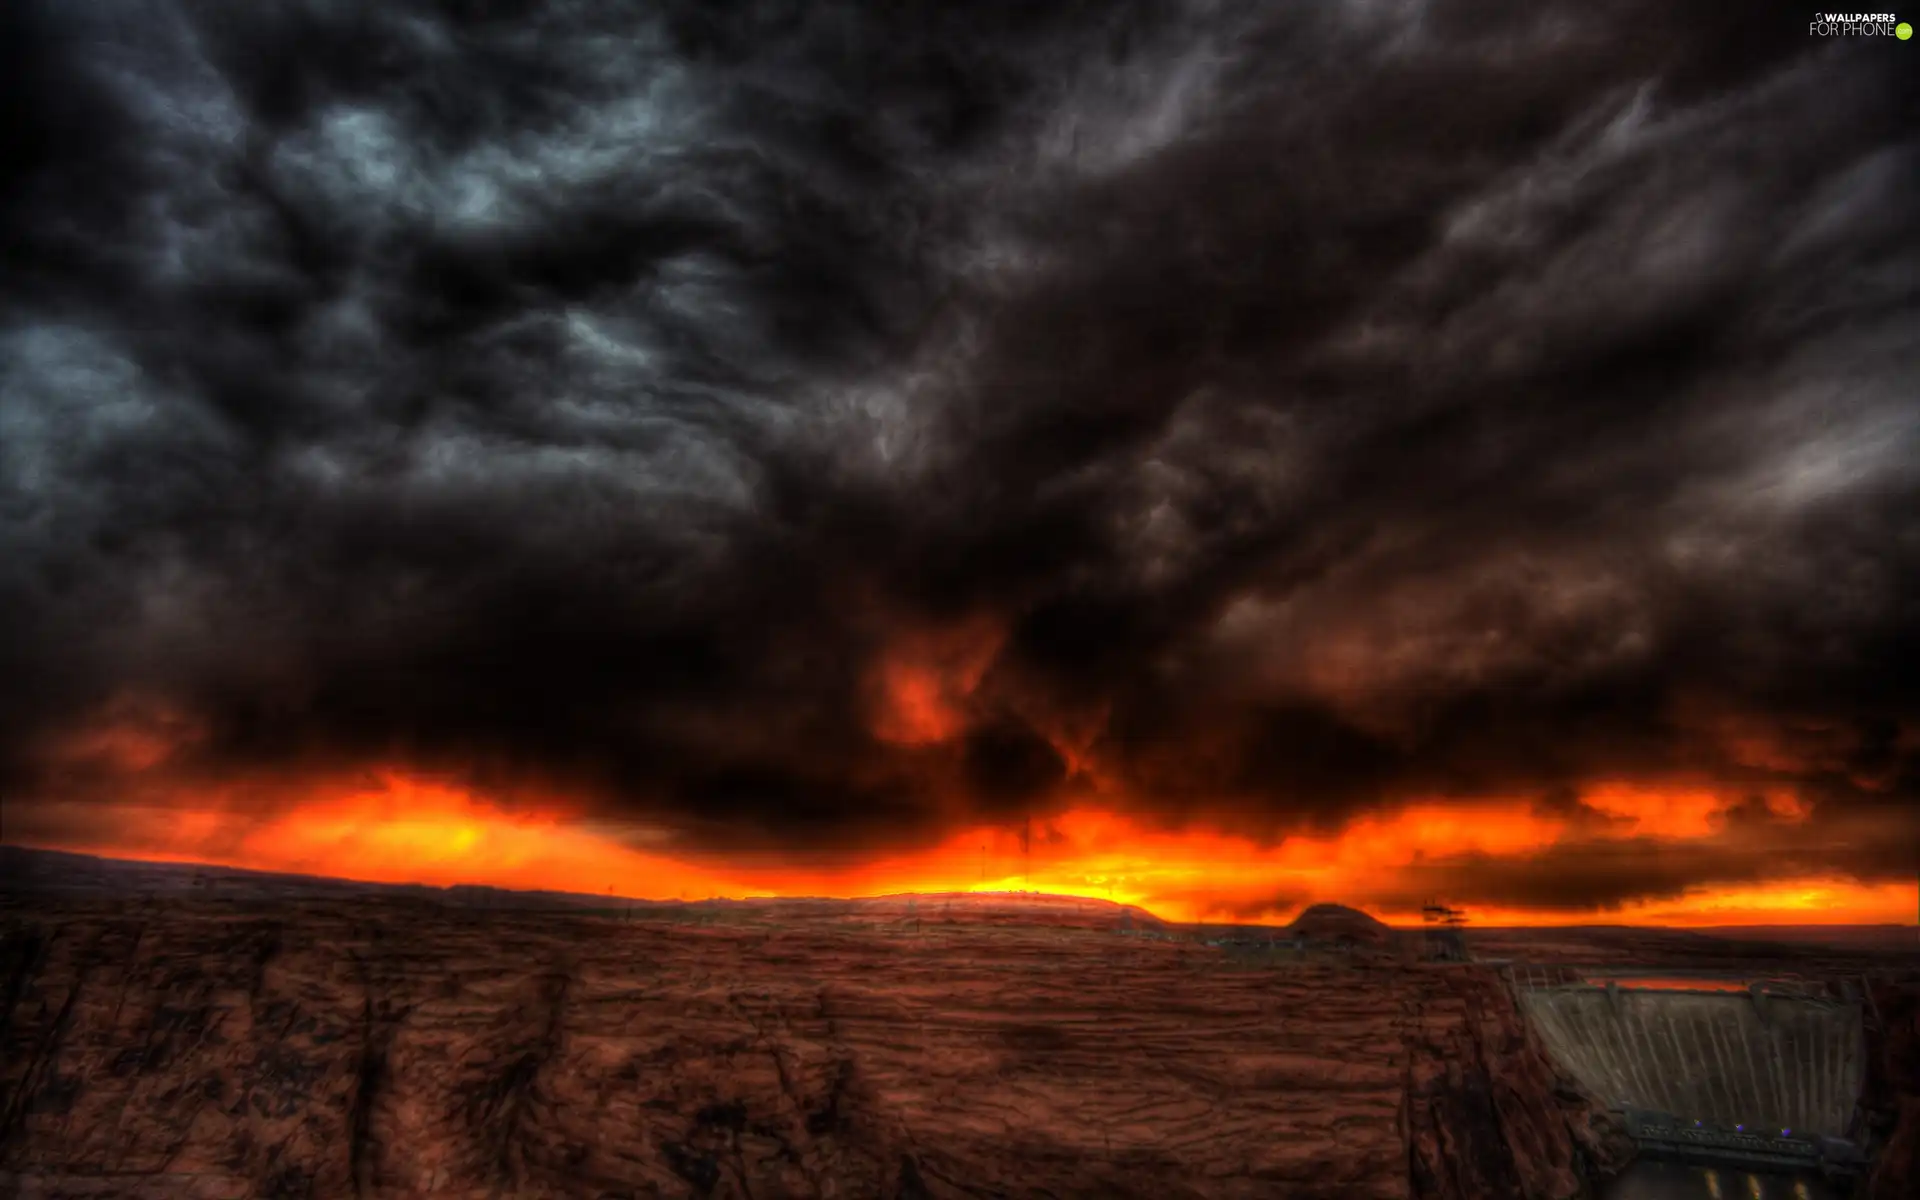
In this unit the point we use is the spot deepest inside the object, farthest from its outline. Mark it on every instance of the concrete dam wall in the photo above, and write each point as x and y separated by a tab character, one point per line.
1762	1062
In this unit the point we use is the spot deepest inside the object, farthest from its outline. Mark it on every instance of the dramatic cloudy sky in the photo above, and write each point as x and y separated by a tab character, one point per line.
808	433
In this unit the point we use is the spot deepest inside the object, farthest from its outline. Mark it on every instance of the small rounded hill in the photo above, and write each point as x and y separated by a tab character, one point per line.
1338	923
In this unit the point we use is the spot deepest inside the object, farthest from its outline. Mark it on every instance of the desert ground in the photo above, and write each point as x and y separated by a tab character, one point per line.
257	1038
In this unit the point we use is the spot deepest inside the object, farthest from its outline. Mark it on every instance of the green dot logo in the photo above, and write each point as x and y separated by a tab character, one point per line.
1903	31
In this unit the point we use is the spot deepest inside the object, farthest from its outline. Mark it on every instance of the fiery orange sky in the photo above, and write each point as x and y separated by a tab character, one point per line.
398	829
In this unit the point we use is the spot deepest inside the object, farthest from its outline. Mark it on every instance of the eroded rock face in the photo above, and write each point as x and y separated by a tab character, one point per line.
1488	1116
398	1049
385	1046
1893	1089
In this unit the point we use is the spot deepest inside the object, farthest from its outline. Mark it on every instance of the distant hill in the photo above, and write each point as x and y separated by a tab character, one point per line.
1884	937
1012	908
55	872
59	873
1338	923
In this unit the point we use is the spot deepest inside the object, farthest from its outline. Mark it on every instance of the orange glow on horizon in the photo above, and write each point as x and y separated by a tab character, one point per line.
398	829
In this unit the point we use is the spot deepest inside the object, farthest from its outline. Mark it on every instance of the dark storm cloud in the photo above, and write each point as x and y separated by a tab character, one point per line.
1601	862
1580	874
1294	408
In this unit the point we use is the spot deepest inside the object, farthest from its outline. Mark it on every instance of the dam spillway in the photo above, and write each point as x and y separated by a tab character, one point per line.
1751	1075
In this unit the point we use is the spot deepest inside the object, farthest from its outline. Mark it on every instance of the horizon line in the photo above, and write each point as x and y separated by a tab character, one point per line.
1576	923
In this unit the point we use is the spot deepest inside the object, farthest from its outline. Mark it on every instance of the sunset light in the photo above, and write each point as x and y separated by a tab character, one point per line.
397	829
1148	584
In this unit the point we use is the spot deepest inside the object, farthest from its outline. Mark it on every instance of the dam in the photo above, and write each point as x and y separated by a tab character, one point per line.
1762	1075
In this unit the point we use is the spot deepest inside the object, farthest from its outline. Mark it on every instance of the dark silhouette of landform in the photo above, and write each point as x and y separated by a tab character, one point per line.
179	1031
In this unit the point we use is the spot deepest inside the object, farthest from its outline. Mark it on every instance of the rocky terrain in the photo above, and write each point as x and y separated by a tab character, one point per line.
1892	1096
387	1045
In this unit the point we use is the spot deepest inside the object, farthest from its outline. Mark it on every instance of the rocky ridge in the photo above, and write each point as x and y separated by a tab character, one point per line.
267	1038
394	1048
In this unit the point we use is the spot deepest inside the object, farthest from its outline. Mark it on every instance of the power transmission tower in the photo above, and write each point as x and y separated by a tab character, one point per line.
1444	940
